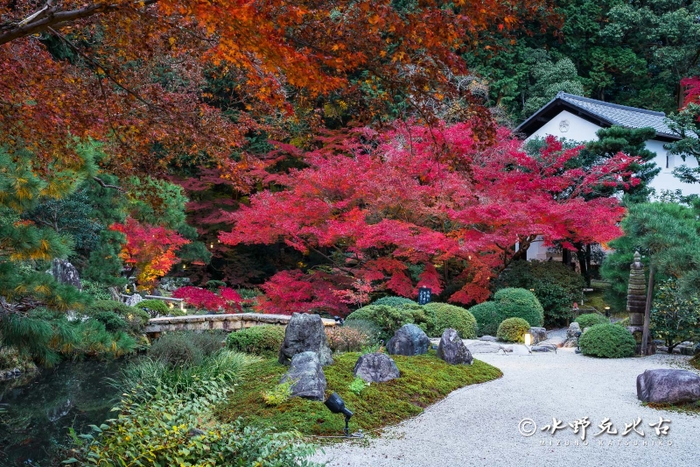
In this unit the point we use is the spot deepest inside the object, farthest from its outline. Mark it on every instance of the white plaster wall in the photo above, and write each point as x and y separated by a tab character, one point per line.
665	179
579	129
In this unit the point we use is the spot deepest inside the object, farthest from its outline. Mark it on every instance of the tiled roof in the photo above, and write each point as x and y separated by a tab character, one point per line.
629	117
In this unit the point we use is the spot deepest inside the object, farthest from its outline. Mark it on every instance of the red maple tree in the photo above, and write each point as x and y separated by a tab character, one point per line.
420	206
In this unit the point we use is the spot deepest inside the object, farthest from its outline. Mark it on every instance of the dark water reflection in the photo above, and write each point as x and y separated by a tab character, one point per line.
38	414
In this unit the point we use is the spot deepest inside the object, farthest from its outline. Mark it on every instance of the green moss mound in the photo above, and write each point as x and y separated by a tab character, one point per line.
265	340
695	361
587	320
487	318
519	303
451	316
424	380
607	341
513	330
394	301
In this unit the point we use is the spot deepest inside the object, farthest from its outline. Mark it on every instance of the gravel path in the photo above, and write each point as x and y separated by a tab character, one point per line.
478	425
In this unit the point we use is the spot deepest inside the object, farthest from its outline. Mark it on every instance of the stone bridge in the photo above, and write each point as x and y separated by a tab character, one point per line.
223	322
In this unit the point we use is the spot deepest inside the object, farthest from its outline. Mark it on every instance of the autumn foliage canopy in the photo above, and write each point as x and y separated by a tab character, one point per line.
393	211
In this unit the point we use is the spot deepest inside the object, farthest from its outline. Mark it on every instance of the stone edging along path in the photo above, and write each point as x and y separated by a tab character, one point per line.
487	424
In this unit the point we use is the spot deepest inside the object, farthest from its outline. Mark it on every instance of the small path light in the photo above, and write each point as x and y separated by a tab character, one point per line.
336	405
607	311
528	341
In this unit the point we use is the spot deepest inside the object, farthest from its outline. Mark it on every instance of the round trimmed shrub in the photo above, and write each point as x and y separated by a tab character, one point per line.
513	330
519	303
387	318
487	318
607	341
451	316
265	340
587	320
396	302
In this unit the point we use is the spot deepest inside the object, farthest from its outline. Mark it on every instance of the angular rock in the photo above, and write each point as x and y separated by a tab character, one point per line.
134	299
376	368
452	349
668	386
538	334
65	273
408	340
573	329
306	374
488	338
304	333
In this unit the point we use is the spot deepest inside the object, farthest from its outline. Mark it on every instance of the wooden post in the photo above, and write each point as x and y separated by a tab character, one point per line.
647	310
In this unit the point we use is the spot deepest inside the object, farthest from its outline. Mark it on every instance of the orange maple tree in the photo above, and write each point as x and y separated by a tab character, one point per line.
149	251
133	73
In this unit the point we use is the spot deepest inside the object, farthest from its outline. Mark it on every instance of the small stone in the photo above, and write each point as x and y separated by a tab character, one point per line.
408	340
452	349
306	374
538	334
668	386
488	338
376	368
134	299
303	333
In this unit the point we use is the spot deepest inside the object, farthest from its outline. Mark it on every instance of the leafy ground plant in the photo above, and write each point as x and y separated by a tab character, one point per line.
424	380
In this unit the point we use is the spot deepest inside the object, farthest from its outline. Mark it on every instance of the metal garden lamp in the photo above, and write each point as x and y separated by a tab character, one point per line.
336	405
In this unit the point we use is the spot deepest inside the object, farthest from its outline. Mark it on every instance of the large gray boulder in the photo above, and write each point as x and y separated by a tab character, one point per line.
668	386
452	349
306	374
65	273
376	368
408	340
305	332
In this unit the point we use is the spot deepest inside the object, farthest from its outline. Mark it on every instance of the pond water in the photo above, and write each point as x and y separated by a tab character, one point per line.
38	414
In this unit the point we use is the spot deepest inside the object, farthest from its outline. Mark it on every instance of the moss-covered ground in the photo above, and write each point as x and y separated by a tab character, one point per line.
424	380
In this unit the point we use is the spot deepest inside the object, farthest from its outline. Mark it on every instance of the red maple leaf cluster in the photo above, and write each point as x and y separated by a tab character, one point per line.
411	206
227	300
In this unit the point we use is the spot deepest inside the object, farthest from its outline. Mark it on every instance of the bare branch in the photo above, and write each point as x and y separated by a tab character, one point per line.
105	185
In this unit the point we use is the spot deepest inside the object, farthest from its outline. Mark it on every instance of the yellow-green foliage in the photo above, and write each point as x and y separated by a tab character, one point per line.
357	386
424	380
278	394
513	330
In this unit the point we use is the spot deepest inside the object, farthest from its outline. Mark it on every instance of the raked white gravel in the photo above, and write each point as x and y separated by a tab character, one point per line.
479	425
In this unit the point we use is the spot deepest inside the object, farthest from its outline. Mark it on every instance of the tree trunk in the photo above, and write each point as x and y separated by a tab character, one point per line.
647	310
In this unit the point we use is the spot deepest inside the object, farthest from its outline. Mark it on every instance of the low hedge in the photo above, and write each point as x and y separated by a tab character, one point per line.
396	302
451	316
389	319
587	320
513	330
265	340
607	341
